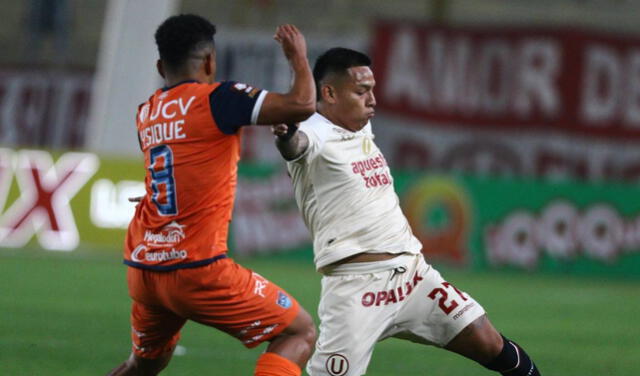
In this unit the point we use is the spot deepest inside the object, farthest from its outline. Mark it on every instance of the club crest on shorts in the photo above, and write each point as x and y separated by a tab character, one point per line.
337	365
283	300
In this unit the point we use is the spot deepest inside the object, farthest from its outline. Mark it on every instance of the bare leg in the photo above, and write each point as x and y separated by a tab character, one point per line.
479	341
297	341
136	366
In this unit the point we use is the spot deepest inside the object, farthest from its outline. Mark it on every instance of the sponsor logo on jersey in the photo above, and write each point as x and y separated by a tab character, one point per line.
168	236
142	253
373	170
247	89
385	297
337	365
369	164
144	113
463	310
167	121
283	300
344	134
260	284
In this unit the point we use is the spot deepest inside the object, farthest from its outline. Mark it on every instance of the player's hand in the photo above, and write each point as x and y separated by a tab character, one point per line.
279	130
292	41
284	132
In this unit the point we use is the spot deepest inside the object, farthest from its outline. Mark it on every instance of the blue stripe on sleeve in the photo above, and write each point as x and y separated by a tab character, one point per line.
232	104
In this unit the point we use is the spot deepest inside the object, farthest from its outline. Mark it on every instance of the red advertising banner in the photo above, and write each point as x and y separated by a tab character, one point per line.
44	108
575	81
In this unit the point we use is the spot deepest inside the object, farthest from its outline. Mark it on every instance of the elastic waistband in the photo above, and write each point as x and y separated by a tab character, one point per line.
371	267
167	268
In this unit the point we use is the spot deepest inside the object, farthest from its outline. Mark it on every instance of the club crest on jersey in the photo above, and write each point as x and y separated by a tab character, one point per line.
283	300
367	145
337	365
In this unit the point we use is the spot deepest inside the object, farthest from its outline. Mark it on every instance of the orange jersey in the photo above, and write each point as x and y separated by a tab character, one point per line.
190	137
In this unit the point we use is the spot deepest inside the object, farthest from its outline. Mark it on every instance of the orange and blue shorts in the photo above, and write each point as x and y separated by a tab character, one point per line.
223	295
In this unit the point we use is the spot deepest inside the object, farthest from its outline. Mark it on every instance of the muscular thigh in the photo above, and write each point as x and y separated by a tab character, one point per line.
154	330
237	301
223	295
436	311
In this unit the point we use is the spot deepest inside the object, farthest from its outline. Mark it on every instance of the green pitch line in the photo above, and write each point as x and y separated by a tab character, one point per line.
67	314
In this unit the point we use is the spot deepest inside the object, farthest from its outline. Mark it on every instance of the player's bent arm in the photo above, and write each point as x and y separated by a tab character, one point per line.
296	105
300	102
293	147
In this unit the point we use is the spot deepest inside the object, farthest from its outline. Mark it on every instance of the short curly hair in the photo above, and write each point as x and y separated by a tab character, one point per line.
182	35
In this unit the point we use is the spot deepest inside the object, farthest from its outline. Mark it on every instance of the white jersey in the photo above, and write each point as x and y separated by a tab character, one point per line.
345	191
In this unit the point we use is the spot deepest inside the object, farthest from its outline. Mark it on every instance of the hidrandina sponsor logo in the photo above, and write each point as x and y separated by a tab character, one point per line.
170	235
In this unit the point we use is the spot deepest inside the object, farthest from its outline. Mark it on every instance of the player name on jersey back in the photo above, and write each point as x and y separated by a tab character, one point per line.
172	125
191	165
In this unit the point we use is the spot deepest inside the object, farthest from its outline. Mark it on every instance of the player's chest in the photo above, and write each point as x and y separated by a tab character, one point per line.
356	161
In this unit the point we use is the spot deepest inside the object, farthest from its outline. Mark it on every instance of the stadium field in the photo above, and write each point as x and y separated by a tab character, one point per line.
67	314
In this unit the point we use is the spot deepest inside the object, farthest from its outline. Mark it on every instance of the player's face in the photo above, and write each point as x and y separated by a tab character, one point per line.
354	100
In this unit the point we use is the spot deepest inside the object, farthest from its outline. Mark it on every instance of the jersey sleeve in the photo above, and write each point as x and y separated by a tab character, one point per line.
315	144
234	104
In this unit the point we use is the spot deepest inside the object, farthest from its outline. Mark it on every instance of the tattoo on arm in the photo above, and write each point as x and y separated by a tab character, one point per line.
293	147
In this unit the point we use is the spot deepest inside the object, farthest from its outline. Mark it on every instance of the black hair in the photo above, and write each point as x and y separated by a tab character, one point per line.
337	60
182	35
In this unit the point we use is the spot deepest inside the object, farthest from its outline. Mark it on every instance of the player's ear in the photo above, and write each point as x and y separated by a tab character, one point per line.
328	93
160	68
209	64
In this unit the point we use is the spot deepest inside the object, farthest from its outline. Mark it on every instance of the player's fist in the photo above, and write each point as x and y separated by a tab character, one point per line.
279	130
292	41
284	132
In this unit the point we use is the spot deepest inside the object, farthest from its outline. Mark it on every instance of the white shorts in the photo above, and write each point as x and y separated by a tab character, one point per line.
363	303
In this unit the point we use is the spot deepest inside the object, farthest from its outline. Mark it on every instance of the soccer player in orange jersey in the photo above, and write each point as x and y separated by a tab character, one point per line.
176	245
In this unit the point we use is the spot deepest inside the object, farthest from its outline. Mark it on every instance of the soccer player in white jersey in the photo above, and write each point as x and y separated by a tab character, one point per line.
376	283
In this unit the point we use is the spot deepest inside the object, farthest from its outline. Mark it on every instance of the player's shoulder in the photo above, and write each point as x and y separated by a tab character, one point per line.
318	126
236	87
186	88
203	87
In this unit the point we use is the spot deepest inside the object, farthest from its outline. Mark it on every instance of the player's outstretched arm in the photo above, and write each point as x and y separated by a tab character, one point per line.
289	141
300	102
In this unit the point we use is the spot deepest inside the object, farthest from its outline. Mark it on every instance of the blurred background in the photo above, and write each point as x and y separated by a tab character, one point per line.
512	129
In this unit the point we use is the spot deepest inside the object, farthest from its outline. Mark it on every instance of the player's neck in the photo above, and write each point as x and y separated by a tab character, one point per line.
335	119
330	115
174	79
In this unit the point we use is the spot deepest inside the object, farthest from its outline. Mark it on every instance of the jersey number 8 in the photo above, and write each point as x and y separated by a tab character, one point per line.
162	181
